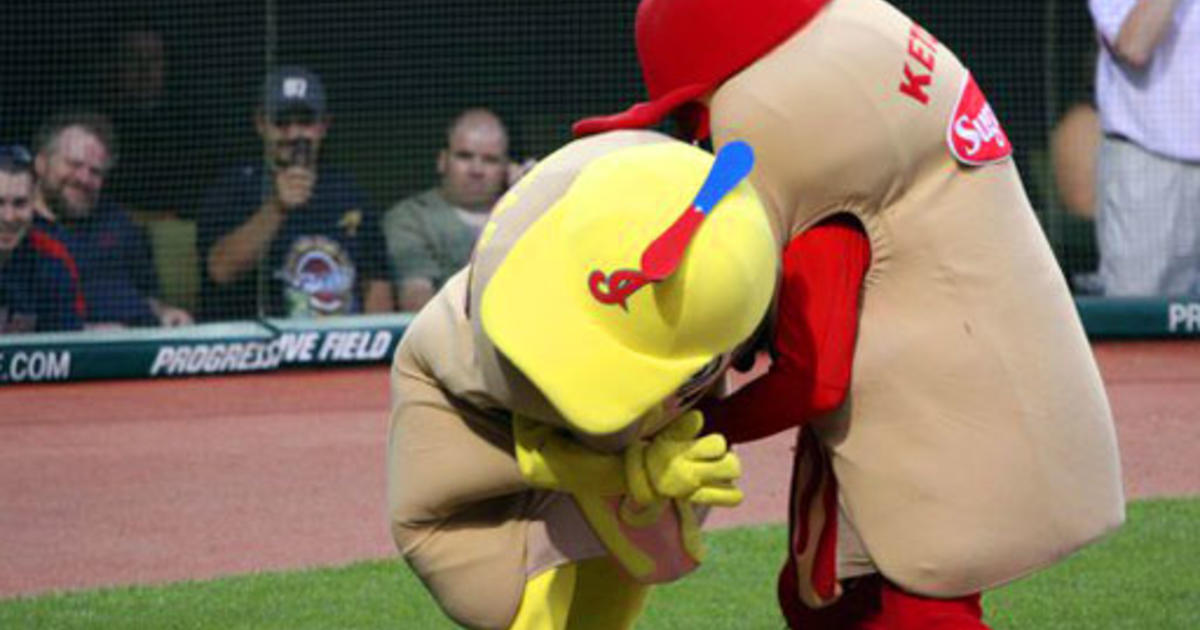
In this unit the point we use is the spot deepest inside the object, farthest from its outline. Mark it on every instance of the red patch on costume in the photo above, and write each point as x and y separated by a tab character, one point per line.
974	134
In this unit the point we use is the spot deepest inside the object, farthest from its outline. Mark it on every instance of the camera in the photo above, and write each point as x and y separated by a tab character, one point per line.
297	152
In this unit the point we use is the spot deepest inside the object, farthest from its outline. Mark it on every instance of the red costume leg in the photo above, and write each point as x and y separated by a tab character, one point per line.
901	610
860	600
873	603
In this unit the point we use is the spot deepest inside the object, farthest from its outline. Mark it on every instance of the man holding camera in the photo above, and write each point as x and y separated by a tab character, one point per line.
286	237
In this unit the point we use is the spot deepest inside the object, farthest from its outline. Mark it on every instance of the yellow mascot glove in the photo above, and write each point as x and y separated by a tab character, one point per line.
552	461
675	464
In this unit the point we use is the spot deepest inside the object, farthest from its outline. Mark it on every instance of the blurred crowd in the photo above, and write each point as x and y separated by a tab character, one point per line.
115	215
103	224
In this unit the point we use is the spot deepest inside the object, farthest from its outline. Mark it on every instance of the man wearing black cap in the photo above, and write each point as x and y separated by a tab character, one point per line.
282	237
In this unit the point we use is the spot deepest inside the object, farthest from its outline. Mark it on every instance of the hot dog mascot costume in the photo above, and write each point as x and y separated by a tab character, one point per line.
956	432
543	468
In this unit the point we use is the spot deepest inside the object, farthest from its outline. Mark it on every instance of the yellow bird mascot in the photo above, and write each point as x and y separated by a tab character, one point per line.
544	469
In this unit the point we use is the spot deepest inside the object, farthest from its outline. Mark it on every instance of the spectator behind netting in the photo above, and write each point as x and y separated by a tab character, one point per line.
1148	168
39	286
1073	145
1075	140
75	152
161	145
285	236
431	234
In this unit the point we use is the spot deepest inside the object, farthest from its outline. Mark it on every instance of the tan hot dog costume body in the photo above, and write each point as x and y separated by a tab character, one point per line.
528	335
976	443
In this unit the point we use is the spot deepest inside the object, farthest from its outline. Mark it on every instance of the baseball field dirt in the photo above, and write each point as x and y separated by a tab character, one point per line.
138	482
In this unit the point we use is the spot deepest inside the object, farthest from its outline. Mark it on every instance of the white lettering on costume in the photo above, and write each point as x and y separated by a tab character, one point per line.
973	134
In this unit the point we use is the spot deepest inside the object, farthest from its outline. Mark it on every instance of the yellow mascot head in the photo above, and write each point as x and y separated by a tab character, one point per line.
656	260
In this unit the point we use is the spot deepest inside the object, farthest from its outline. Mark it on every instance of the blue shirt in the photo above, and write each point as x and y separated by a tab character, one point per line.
39	289
315	264
116	264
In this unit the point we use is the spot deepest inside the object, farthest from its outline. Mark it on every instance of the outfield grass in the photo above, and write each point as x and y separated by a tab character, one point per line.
1145	577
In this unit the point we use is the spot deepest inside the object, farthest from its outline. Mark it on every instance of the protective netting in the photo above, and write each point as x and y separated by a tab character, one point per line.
182	81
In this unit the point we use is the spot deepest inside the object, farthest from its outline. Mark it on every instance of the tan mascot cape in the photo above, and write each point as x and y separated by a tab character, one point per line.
542	467
975	443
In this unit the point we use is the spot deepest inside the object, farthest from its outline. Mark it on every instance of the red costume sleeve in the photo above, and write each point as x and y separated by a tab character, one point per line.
816	325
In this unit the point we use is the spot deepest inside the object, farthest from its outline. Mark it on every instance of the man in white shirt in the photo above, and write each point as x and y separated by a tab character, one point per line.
1148	169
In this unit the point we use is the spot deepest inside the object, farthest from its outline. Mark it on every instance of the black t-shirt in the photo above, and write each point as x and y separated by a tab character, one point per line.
318	261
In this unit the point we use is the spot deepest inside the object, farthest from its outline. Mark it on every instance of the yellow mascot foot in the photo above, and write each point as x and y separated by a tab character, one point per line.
592	595
546	603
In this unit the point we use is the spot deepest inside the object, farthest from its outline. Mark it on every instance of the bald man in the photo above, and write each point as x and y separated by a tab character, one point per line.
430	235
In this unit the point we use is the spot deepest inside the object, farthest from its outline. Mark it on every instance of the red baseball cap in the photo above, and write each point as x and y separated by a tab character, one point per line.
688	47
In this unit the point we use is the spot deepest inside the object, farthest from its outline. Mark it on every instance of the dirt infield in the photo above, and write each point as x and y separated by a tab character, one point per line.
155	481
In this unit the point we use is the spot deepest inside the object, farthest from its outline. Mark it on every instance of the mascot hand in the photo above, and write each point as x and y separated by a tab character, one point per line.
550	460
676	464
